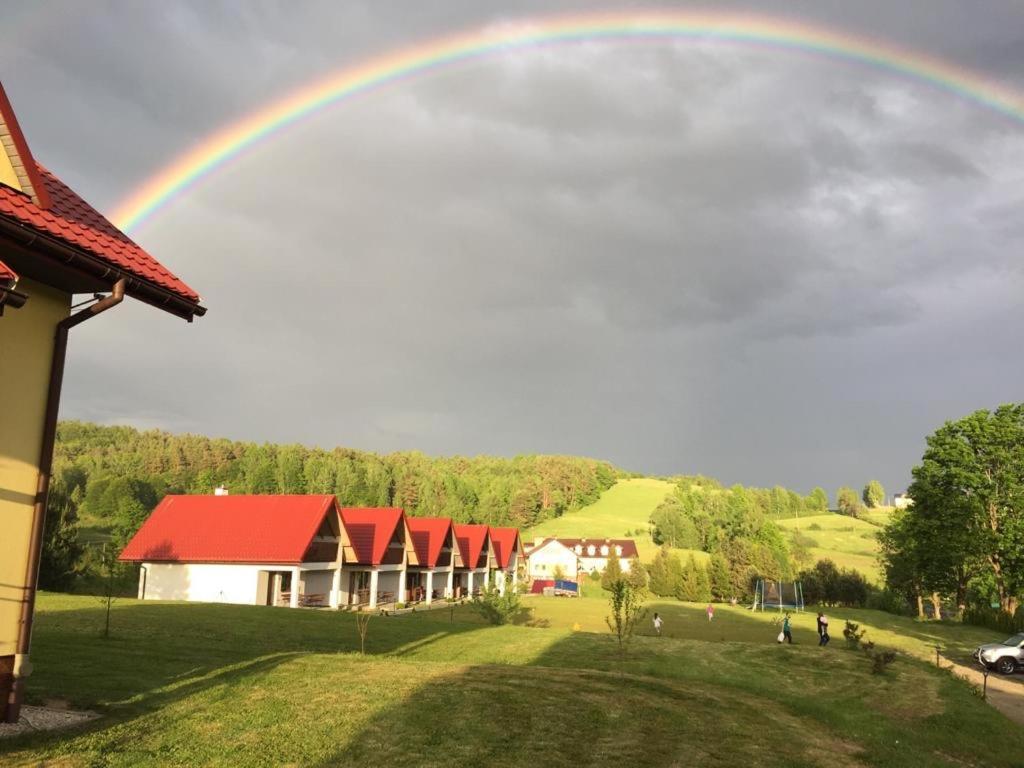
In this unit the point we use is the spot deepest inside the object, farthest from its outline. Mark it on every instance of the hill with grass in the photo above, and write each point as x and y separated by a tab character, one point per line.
197	684
849	542
623	512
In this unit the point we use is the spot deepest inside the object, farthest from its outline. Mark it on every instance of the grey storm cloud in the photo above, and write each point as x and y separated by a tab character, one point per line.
681	257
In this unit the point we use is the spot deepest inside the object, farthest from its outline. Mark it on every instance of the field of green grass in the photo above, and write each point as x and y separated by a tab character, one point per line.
622	512
848	541
193	684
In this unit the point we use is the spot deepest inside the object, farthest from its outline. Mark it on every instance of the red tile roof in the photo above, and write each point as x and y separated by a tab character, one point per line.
7	274
81	226
230	529
54	210
370	530
629	550
428	537
506	541
471	540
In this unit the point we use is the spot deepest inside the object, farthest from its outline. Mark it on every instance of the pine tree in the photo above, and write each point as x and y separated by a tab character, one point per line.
694	584
666	573
612	572
637	576
720	580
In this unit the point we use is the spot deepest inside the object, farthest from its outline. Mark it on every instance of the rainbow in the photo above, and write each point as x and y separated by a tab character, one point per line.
228	143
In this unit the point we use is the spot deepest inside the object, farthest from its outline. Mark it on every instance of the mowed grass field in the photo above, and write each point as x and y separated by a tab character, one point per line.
848	541
622	511
193	684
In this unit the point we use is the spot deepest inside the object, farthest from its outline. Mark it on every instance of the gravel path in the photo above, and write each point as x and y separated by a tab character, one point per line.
45	719
1004	693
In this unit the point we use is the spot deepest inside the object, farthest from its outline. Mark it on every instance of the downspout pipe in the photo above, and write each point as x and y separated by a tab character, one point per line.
22	667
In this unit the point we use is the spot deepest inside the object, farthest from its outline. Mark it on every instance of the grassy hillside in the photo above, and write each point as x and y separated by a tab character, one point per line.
623	511
192	684
847	541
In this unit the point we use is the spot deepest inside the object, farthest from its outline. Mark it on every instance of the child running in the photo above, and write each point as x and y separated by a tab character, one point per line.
711	611
657	625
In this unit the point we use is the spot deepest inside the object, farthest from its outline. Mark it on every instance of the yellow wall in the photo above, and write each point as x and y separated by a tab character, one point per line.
8	175
26	345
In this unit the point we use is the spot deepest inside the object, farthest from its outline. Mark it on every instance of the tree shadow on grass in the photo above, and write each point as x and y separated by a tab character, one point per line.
160	653
670	702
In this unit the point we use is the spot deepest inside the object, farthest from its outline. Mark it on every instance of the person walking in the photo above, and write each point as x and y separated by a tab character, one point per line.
657	625
711	612
787	630
823	637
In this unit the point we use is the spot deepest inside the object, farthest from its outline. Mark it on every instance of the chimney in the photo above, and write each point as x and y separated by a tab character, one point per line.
220	490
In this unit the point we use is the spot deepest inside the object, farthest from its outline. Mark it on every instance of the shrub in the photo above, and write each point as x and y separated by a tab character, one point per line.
880	659
814	527
853	634
498	609
997	621
889	601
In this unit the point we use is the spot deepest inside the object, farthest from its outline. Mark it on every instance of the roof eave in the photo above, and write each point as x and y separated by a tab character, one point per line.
70	257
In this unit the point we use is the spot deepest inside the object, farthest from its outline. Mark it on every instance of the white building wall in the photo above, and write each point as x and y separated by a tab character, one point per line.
542	562
388	582
598	564
203	582
317	583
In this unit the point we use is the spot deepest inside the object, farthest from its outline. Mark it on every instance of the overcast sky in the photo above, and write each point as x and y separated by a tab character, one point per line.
681	257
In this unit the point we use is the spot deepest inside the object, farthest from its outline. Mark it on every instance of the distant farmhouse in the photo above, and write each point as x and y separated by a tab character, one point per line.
902	501
307	551
576	557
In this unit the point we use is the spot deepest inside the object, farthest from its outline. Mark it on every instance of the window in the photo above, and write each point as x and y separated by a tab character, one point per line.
578	549
604	550
618	550
591	549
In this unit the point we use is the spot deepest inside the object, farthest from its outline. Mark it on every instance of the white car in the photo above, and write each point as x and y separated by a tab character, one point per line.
1005	657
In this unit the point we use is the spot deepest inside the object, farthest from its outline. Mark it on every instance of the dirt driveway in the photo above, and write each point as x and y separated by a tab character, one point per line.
1004	693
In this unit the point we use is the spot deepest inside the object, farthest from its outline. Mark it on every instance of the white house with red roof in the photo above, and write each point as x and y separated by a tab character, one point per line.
377	549
577	557
249	550
437	553
508	555
477	552
306	551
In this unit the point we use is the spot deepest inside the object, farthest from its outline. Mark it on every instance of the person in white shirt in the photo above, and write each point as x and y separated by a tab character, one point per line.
657	625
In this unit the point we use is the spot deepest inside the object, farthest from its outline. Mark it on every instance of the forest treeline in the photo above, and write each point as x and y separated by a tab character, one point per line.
114	476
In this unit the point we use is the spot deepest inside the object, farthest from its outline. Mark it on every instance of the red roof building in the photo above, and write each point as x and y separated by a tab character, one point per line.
508	546
237	529
429	536
53	245
474	545
592	548
375	535
63	241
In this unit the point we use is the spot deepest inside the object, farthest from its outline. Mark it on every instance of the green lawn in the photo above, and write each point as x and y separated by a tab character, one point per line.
622	511
847	541
193	684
